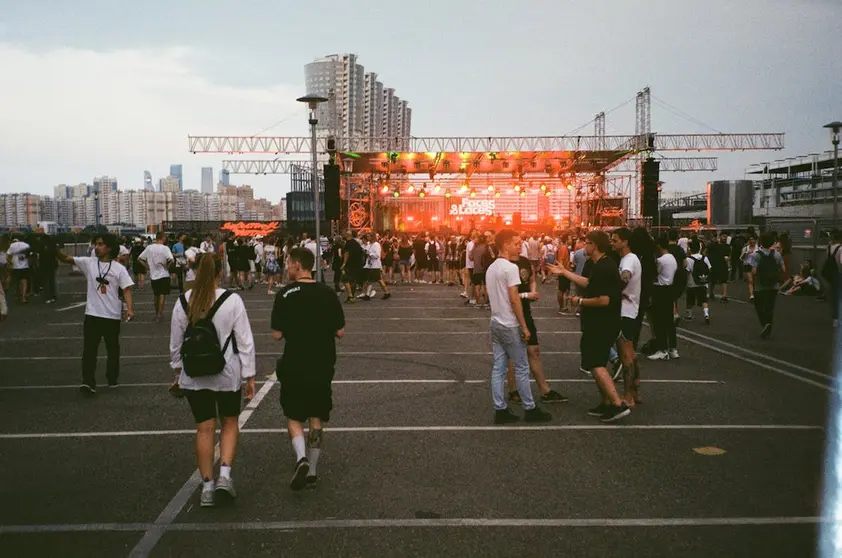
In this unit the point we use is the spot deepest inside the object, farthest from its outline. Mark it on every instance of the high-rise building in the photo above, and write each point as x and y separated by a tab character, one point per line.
105	184
175	172
81	190
225	177
207	180
169	184
147	181
358	105
63	192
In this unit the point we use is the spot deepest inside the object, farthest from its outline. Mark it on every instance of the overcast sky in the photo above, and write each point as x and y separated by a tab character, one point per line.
94	87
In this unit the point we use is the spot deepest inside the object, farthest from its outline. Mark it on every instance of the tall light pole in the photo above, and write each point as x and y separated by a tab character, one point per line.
660	186
313	101
834	139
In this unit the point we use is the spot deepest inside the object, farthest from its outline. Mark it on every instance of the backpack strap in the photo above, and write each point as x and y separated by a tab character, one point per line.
183	300
219	302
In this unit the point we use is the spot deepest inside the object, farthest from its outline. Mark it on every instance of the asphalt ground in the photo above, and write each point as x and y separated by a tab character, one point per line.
413	464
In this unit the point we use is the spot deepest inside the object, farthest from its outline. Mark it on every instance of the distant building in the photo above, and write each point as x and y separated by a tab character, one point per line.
105	184
147	181
176	172
169	184
794	188
207	180
225	177
63	192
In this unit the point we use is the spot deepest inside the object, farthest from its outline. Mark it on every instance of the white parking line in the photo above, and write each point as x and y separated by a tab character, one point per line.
341	353
71	307
444	428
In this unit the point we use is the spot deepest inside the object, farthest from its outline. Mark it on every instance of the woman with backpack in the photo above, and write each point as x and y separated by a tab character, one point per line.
212	353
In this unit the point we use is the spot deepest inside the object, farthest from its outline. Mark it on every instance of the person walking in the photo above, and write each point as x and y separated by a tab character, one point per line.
209	321
767	267
157	258
105	278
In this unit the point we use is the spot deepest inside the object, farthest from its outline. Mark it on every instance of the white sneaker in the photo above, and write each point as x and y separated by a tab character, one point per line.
207	500
225	488
673	353
659	355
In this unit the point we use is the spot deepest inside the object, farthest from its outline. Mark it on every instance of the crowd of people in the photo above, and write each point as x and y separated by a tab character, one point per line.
611	280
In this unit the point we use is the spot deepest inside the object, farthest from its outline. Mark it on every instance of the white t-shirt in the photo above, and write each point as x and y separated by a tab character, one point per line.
311	245
691	263
524	250
501	275
108	304
206	246
372	260
683	242
258	250
666	270
17	253
469	263
191	254
631	293
158	258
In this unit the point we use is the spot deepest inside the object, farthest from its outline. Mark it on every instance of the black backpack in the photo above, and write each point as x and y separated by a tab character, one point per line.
201	354
830	269
768	270
700	271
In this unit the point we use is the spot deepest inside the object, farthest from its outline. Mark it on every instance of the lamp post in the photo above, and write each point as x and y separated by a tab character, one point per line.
313	101
834	139
660	186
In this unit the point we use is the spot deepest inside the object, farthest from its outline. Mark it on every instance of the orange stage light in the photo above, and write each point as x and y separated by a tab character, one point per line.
473	193
447	193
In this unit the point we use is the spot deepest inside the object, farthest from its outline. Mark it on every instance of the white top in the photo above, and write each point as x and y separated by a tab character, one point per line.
667	267
3	258
501	275
372	260
533	248
691	263
311	245
17	253
108	304
258	250
524	249
231	316
630	306
158	258
469	261
683	242
206	246
191	254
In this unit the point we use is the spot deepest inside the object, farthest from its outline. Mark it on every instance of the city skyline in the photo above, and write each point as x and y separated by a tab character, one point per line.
547	75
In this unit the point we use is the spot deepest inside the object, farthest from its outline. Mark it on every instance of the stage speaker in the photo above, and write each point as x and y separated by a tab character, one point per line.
516	221
331	192
649	185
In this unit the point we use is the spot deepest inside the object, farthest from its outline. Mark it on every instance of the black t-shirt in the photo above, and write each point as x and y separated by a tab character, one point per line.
603	280
355	254
525	269
309	315
717	252
418	246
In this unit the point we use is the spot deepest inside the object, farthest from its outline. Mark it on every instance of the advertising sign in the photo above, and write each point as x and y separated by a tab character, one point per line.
242	228
472	207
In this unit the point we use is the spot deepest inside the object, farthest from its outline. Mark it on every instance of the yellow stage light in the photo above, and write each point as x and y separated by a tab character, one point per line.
437	188
473	193
397	194
411	189
517	187
490	188
543	187
447	193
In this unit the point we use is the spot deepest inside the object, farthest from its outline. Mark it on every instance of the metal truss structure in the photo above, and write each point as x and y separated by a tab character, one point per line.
673	164
263	166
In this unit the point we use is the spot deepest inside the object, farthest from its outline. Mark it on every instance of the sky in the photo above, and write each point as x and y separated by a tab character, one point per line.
110	87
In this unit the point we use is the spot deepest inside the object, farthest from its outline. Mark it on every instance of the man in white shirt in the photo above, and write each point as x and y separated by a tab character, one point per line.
663	299
106	279
631	318
373	268
698	270
509	332
469	269
157	259
18	257
207	245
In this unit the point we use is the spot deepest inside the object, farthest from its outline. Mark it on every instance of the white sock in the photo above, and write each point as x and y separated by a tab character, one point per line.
706	311
207	485
224	472
313	458
300	448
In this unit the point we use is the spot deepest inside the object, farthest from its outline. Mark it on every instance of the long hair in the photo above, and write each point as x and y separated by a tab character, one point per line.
204	288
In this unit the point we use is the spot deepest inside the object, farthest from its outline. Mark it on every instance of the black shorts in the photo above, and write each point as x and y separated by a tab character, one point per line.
304	399
718	275
696	296
353	276
433	265
533	331
161	287
563	284
630	329
477	278
20	274
595	348
138	269
372	275
206	404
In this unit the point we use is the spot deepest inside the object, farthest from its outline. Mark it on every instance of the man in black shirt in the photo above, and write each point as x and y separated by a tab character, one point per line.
352	266
309	317
600	310
528	292
719	254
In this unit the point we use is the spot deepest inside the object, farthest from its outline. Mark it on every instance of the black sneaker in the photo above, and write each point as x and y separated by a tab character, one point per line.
387	296
310	482
505	416
300	476
766	331
553	396
113	385
514	397
724	300
613	413
536	414
87	390
707	319
365	297
599	410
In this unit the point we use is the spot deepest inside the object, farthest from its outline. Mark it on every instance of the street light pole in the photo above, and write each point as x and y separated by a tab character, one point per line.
313	103
834	138
660	185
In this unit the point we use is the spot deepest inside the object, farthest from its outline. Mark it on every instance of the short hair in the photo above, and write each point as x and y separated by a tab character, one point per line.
695	246
303	256
504	237
623	234
109	240
673	235
601	240
160	235
663	241
767	239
